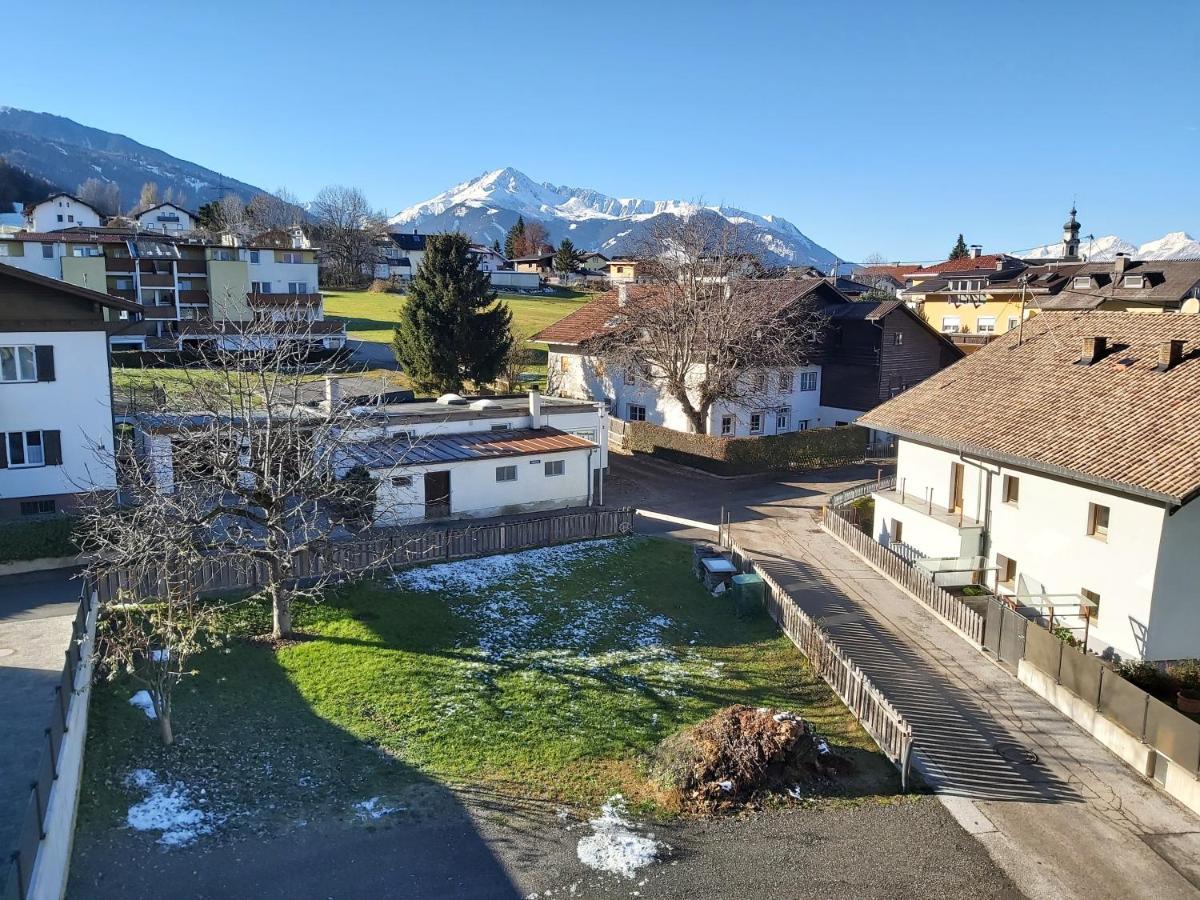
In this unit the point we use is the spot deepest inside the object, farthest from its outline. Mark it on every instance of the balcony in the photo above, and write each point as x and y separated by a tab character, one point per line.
124	294
192	267
969	343
118	265
930	528
157	280
160	312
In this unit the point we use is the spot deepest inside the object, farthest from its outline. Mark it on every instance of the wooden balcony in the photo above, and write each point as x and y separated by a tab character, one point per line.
192	267
160	312
969	343
194	298
115	265
157	280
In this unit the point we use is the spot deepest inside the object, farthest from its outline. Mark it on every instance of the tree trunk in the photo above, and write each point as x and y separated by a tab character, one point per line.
281	612
162	709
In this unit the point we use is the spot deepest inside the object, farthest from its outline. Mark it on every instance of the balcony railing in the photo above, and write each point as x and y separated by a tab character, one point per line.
971	340
194	298
192	267
920	499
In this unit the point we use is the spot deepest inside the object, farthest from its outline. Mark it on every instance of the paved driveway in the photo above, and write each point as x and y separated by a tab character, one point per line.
36	612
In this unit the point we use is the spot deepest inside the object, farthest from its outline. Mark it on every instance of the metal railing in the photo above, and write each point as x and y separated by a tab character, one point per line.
17	869
886	726
901	571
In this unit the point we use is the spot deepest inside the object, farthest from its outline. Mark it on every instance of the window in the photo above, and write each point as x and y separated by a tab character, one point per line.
185	284
1090	610
786	382
808	381
124	284
37	507
3	249
1098	521
60	217
506	473
555	467
898	338
47	251
760	382
1006	575
254	256
726	425
222	255
950	324
756	423
401	481
297	287
1013	322
288	257
637	413
630	378
588	434
802	425
502	426
18	363
1082	282
1132	281
897	531
70	218
986	324
782	420
1012	489
25	449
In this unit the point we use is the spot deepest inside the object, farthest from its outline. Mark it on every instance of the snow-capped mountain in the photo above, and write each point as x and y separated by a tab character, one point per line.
1176	245
486	207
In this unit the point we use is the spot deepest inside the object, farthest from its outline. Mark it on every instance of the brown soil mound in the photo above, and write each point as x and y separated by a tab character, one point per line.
740	754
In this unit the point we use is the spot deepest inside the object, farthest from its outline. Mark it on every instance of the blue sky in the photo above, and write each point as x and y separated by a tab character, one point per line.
873	126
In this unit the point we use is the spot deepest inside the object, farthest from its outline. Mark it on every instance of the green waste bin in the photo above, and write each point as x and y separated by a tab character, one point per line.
747	594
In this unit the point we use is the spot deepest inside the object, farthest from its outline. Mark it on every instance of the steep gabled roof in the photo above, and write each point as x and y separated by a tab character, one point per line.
1119	422
66	287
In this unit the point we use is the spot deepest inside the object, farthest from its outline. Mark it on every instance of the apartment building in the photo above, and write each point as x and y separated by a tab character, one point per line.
188	291
56	421
1059	467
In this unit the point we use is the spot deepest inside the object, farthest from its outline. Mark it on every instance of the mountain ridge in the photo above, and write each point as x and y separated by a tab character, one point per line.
1173	245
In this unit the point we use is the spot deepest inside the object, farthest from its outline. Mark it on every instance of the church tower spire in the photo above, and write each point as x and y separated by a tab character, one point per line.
1071	237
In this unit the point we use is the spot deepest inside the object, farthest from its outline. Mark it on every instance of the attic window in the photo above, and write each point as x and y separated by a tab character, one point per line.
1081	281
1133	281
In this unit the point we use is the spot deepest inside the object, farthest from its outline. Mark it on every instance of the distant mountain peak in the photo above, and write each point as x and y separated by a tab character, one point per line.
485	208
1173	245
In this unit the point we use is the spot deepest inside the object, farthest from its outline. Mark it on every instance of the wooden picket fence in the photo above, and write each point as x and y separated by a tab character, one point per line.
921	587
882	721
396	550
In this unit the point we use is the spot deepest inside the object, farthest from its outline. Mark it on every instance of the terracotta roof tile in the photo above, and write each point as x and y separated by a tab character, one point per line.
1117	422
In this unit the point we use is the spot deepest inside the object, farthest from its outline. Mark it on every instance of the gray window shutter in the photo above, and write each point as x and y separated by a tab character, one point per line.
44	354
52	447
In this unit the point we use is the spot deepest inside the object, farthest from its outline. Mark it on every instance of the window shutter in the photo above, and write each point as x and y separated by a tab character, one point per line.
52	447
44	354
3	450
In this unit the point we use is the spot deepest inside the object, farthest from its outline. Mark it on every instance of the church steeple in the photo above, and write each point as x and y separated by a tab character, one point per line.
1071	237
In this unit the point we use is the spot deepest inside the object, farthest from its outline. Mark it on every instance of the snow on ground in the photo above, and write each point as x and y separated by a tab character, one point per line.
614	846
143	702
170	809
374	808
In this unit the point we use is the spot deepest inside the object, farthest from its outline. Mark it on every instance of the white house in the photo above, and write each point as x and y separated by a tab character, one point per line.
872	351
56	422
454	457
1060	467
59	211
167	218
489	260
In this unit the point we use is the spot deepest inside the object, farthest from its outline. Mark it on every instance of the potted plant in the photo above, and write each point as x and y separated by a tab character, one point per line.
1186	674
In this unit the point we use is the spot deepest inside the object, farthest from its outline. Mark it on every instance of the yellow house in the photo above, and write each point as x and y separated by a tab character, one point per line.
622	269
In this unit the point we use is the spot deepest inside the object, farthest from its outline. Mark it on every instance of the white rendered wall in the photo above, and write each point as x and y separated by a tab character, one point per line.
280	274
1174	631
78	403
45	215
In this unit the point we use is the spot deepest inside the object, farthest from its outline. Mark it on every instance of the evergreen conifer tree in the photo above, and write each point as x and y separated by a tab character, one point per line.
514	235
960	249
452	330
566	257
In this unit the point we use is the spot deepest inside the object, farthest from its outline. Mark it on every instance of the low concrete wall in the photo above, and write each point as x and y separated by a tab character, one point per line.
45	564
1179	783
50	870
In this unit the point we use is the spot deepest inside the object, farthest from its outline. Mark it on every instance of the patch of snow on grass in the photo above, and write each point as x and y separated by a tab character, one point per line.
167	808
614	846
374	808
143	702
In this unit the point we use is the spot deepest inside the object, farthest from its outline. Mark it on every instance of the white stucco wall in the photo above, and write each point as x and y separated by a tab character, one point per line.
1045	532
78	403
33	260
280	274
570	374
155	219
44	216
474	491
1174	631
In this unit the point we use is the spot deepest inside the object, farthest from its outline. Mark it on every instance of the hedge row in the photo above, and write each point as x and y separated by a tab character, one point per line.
37	538
815	448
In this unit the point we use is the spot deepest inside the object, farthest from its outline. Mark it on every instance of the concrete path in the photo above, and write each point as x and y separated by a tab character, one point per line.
36	612
1059	813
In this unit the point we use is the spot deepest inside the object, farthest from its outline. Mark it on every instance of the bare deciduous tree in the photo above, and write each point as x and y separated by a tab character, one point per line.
705	327
103	196
230	216
270	212
534	240
349	231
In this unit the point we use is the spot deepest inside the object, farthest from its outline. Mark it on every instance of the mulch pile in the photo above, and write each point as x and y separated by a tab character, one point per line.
742	754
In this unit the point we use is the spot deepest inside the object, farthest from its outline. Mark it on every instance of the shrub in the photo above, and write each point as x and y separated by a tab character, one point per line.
1185	674
37	539
1149	677
815	448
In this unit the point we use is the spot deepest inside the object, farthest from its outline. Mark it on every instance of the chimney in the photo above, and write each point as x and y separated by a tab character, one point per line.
1093	349
1120	263
622	294
999	263
333	392
535	408
976	251
1170	353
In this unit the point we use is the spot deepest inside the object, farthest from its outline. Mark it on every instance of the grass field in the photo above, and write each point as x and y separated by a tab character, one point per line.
371	316
546	674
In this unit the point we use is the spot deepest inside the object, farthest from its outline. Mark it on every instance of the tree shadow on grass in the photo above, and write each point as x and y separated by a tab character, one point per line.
281	785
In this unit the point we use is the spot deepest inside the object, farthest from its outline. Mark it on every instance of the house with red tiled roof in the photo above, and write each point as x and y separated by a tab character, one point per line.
1059	468
868	352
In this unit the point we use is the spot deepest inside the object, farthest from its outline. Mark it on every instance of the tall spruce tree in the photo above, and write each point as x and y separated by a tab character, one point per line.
496	246
960	250
452	330
513	237
566	257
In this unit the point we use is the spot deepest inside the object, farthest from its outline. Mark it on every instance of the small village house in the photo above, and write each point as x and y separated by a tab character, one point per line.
1060	466
59	211
166	218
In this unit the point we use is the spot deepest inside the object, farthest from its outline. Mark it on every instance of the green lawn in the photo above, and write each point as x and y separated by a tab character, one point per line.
547	674
371	316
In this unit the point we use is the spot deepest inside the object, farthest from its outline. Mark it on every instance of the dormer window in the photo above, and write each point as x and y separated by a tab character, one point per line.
1133	281
1082	282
